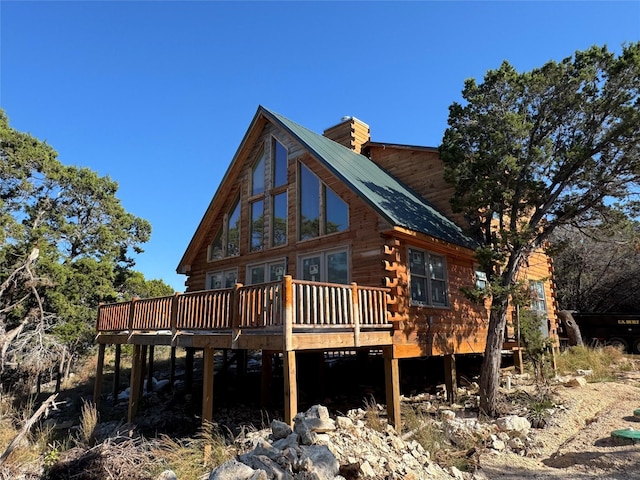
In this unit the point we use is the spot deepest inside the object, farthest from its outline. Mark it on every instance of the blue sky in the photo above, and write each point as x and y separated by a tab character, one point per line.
158	95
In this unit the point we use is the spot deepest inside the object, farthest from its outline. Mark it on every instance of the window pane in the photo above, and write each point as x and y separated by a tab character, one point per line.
215	252
257	178
336	212
337	268
276	271
233	229
438	292
256	275
257	226
230	278
311	269
416	263
279	228
309	204
215	281
279	164
436	267
418	289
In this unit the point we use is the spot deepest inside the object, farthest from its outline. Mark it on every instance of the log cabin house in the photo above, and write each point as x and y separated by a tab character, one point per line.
321	243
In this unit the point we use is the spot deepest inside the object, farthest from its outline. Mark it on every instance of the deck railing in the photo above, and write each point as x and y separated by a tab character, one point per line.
287	305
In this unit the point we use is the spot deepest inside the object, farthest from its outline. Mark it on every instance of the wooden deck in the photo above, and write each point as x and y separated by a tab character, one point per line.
285	316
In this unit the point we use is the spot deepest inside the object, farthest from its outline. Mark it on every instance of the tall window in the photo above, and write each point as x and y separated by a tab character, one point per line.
226	243
539	304
268	198
428	278
331	266
320	211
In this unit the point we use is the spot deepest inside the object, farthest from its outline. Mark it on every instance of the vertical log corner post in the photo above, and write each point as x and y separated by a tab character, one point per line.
288	353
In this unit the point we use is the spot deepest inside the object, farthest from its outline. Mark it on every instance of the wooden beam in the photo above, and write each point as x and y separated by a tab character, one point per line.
518	363
97	386
207	385
392	389
290	386
450	377
116	374
135	386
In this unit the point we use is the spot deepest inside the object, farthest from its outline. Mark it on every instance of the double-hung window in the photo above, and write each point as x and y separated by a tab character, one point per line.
222	279
539	304
428	278
330	266
266	272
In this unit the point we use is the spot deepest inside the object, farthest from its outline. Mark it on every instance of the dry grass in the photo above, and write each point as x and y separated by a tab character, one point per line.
429	433
373	415
604	362
193	457
88	423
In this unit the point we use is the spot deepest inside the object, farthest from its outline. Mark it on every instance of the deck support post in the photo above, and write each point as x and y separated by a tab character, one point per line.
518	363
97	387
172	368
207	385
150	370
290	386
266	377
116	374
188	370
450	377
143	370
135	384
392	388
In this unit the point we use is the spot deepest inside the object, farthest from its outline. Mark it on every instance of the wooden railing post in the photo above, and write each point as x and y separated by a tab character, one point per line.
355	305
287	305
98	319
236	331
131	314
174	314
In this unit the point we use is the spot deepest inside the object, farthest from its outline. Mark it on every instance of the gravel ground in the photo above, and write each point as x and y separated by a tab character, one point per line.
577	443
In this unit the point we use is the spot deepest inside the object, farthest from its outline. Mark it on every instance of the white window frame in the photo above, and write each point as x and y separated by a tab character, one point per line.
223	273
323	272
223	231
267	269
428	278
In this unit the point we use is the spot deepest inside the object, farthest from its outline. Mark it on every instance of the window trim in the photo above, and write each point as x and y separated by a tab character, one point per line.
222	272
266	264
429	278
324	266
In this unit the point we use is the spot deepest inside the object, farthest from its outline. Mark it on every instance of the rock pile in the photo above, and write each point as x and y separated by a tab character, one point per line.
320	448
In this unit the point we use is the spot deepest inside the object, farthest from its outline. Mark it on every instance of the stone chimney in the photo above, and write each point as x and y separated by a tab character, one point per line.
350	132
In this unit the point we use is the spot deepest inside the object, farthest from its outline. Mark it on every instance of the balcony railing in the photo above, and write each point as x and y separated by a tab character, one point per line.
285	306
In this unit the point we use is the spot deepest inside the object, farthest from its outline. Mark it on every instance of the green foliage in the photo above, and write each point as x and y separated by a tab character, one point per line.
529	152
66	244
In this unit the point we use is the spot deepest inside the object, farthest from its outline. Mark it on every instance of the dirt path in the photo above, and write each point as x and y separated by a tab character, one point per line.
578	442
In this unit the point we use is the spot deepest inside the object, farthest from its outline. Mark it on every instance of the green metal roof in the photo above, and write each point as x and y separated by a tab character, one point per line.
393	200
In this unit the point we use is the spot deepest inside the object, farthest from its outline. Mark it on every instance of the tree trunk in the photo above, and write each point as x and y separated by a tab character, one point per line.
573	330
490	375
